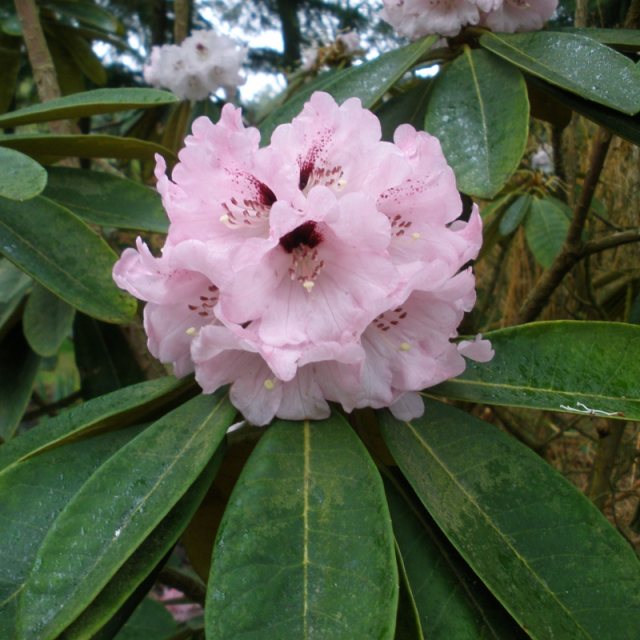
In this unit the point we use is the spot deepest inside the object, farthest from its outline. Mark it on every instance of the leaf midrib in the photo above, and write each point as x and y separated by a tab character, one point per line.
471	499
141	504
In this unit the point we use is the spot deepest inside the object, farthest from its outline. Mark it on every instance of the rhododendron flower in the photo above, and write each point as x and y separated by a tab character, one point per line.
418	18
327	266
202	64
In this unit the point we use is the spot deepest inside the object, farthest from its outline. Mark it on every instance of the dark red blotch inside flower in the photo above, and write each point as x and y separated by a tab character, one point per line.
305	173
306	234
266	195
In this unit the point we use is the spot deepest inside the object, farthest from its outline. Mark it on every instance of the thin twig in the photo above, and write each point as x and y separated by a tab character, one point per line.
192	588
181	23
44	72
610	242
572	249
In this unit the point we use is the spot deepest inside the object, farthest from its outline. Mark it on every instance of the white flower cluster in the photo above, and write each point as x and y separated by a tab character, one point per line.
202	64
417	18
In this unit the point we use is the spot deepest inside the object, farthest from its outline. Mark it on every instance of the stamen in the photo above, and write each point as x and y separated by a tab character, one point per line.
269	384
191	331
405	346
415	235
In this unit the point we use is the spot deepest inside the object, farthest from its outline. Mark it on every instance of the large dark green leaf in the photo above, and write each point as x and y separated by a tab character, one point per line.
113	411
559	366
305	548
47	321
106	199
472	98
33	494
66	256
88	103
115	511
104	358
87	13
546	228
450	599
572	62
542	548
21	177
621	38
47	148
18	368
627	127
368	81
115	596
408	107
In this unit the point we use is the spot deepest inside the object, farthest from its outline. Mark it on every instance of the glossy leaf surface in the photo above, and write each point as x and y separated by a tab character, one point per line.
305	548
575	63
111	601
450	599
88	103
368	81
558	366
34	493
542	548
115	410
514	214
471	100
119	506
106	199
21	177
56	248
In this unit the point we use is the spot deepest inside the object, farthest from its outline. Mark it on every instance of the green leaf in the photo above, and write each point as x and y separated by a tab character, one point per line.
408	107
557	366
514	214
368	81
305	547
621	38
88	103
574	63
81	52
104	357
118	507
627	127
88	13
540	546
471	100
33	494
107	413
546	228
21	177
107	200
18	369
47	321
65	255
9	68
114	598
48	148
150	620
451	601
13	281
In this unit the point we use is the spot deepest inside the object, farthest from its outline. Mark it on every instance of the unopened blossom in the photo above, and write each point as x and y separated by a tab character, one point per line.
202	64
417	18
345	47
328	266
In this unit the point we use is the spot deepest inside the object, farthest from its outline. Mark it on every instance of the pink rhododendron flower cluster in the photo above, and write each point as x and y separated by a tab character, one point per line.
327	266
417	18
202	64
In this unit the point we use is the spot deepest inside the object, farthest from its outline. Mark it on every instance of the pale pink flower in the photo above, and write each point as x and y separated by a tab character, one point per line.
327	266
202	64
519	15
418	18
